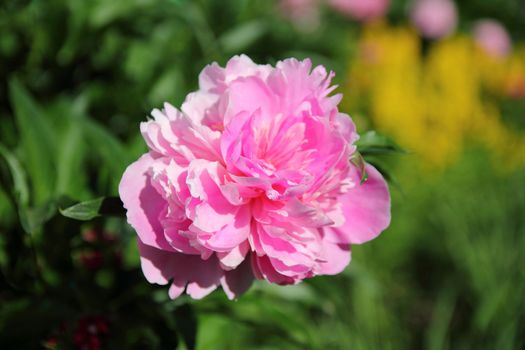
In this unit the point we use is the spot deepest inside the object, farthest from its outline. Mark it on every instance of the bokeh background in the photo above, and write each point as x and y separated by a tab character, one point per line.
443	80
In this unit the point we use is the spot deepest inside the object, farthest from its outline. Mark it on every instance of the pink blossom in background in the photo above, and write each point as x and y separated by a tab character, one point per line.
434	18
251	178
303	13
361	10
491	36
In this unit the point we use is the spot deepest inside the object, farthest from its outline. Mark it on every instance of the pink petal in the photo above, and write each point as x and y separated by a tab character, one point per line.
143	203
213	211
157	265
366	208
230	260
248	95
262	267
234	233
236	282
200	277
204	275
336	256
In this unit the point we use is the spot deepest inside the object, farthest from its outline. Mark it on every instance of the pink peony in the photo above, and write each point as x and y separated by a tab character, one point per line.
251	178
434	18
361	10
492	37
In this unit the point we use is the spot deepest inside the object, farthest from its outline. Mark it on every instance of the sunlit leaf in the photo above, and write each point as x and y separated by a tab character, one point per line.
241	37
70	157
109	206
36	138
107	146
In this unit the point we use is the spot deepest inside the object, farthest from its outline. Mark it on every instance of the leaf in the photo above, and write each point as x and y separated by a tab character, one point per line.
84	210
358	160
193	14
109	148
33	218
186	322
371	143
36	137
70	160
241	37
107	206
18	175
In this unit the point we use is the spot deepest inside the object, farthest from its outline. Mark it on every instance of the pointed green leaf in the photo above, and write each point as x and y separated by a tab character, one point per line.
84	210
358	160
70	160
33	218
108	147
110	206
18	175
37	142
372	143
241	37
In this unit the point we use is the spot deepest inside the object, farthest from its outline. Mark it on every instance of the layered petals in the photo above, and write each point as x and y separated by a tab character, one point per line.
366	208
251	179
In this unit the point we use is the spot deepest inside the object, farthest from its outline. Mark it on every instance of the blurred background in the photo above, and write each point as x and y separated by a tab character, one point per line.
444	80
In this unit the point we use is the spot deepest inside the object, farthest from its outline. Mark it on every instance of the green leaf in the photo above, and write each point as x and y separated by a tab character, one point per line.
193	14
84	210
36	137
358	160
33	218
18	175
186	321
241	37
70	159
371	143
108	206
108	147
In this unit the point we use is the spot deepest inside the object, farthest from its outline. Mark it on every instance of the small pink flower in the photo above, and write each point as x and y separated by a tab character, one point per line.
492	37
303	13
251	178
434	18
361	10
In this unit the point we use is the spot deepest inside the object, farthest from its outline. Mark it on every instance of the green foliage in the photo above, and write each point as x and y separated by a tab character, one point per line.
36	140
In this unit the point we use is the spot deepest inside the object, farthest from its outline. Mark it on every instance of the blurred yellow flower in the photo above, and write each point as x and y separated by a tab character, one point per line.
434	104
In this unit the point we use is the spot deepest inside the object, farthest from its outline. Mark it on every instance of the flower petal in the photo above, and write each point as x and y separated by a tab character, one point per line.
336	256
366	208
236	282
143	203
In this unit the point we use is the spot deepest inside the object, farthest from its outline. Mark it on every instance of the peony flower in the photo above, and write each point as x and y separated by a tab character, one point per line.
434	18
251	178
492	37
361	10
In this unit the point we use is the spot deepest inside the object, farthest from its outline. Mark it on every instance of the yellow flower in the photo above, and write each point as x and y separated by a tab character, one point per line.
432	105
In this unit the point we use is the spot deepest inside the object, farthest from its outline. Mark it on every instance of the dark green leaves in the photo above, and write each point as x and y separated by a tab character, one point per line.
108	147
36	141
52	158
18	175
